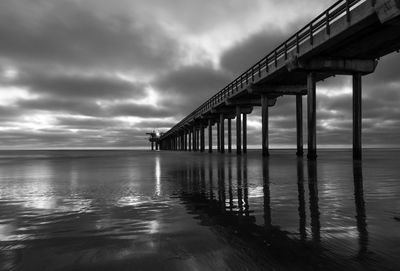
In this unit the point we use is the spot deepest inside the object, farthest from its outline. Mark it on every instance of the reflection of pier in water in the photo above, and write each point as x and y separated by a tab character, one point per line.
223	200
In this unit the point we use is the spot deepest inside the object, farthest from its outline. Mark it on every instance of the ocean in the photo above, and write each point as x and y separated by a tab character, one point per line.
144	210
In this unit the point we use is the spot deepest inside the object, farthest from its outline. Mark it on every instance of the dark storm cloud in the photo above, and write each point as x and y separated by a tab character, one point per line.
387	71
152	124
198	16
88	107
69	33
55	105
142	110
8	113
87	123
81	87
186	88
246	53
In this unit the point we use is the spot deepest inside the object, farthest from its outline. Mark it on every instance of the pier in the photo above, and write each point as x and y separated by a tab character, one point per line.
154	139
346	39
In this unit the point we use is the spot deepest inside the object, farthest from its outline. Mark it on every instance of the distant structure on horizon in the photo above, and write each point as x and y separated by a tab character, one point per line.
154	138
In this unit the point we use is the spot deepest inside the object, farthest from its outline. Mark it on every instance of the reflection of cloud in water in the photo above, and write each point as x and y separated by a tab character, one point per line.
40	202
340	232
6	230
74	204
256	192
132	200
154	226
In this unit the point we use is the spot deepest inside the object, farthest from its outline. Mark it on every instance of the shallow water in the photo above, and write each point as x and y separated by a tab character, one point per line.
142	210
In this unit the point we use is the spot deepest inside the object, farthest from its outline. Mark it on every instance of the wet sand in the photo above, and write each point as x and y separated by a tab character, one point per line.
142	210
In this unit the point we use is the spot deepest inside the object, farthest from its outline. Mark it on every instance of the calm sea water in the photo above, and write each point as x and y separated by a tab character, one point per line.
142	210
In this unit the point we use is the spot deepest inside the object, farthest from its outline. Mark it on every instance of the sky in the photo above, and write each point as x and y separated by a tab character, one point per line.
100	73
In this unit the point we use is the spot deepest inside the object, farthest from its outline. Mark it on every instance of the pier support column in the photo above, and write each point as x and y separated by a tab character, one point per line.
190	140
311	116
202	143
196	131
264	117
199	138
222	132
185	140
244	133
229	135
357	116
218	138
238	130
209	136
299	124
194	138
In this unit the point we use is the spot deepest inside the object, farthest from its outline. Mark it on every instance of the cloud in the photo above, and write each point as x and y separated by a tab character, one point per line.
248	51
98	73
144	111
186	88
73	35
